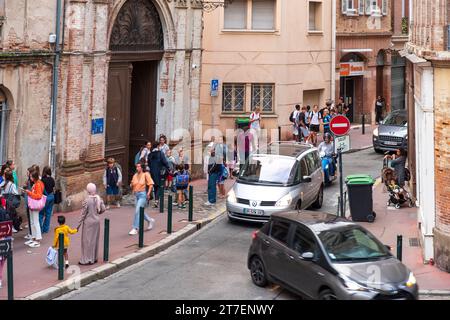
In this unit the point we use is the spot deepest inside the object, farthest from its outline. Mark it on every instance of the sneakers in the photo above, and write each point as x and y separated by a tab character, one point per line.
183	206
14	230
133	232
118	205
151	224
67	264
29	242
207	203
108	207
34	244
155	204
28	237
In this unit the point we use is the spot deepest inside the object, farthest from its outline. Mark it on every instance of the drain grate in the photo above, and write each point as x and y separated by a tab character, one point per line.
413	242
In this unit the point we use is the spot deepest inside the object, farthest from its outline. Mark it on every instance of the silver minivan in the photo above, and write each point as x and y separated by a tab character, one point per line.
288	175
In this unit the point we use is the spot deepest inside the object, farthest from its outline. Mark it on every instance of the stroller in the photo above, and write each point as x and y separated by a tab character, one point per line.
397	196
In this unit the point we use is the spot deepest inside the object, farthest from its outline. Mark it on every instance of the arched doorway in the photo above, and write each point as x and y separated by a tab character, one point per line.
137	46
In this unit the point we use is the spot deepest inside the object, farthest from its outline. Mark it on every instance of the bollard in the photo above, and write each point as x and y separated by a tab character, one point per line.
338	206
10	276
279	133
191	203
345	202
161	196
399	247
363	124
106	241
141	227
61	256
169	215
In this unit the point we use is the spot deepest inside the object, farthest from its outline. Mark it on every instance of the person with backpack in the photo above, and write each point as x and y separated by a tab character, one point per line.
315	120
158	168
12	166
142	155
112	179
294	118
181	178
45	215
12	197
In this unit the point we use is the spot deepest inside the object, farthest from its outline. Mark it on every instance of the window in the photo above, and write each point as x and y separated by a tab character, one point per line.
304	241
312	164
262	96
233	97
250	15
315	16
349	7
361	7
303	168
384	7
235	15
263	14
280	231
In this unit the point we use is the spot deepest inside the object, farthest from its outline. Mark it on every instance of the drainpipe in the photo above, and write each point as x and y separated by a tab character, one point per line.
54	102
333	50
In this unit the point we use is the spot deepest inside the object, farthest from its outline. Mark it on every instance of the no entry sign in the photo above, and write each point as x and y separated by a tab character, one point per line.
5	229
340	125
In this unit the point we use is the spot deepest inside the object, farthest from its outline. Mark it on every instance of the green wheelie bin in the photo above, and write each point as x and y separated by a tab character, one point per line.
359	189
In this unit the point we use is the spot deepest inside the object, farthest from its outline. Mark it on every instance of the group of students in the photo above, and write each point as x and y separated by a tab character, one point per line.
307	123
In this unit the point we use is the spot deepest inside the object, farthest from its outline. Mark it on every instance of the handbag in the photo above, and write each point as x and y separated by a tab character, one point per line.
52	257
37	205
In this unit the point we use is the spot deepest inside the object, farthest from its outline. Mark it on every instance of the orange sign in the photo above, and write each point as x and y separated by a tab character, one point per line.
349	69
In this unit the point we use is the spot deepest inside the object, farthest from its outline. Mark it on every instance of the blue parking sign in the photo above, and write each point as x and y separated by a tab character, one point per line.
214	87
97	126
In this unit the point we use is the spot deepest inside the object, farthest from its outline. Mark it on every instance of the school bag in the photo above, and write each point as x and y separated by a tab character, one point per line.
182	179
291	117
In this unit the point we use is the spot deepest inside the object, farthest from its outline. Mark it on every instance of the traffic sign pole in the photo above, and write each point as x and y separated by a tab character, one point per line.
10	276
341	185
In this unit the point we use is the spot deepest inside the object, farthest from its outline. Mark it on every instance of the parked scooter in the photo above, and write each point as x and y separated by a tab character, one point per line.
328	168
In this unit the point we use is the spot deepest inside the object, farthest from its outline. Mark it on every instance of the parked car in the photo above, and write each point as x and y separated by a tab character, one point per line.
392	133
322	256
288	175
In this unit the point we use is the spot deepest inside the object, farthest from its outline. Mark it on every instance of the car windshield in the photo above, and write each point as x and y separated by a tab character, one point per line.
275	170
396	119
352	244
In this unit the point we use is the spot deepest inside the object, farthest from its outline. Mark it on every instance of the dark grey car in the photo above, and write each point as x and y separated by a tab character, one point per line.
392	133
321	256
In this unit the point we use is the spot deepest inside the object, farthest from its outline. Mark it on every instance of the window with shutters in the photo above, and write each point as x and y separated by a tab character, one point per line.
315	16
233	97
384	7
235	15
262	96
256	15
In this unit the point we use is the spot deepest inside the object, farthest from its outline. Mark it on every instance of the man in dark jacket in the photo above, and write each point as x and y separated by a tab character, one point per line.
159	166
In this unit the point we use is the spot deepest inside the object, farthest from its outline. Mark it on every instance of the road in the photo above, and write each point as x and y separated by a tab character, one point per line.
212	263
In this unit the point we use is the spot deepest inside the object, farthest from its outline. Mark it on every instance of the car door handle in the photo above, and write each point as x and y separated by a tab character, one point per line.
291	257
321	274
266	241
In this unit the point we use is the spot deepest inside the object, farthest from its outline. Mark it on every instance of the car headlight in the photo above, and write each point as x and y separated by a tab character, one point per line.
285	201
411	280
231	196
352	285
375	132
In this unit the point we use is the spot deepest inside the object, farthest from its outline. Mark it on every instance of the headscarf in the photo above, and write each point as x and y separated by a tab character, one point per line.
92	192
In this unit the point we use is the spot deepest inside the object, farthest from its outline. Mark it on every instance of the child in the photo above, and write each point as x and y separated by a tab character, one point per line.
171	161
396	189
66	230
181	183
112	178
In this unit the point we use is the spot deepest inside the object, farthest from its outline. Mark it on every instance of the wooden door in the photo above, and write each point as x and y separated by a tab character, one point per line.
118	115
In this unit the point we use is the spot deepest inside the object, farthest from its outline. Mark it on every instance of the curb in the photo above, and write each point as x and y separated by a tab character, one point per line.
434	292
359	149
121	263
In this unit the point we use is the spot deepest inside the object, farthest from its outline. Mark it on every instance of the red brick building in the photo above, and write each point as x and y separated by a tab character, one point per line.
368	35
428	77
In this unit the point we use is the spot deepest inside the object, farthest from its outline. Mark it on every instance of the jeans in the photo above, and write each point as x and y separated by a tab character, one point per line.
141	200
45	215
212	191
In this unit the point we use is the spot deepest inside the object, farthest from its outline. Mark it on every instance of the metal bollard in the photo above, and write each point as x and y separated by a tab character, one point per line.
61	256
191	203
161	196
399	247
338	206
106	241
141	227
363	124
279	133
169	215
9	261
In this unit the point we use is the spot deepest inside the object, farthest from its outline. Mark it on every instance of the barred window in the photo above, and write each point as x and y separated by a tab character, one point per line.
262	96
233	99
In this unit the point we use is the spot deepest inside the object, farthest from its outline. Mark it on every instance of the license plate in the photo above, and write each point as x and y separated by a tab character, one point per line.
254	212
391	143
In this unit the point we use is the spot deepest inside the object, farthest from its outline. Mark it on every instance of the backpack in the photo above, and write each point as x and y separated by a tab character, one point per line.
137	157
291	117
182	180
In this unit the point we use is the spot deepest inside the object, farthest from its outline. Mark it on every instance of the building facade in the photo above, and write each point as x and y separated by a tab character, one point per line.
369	34
127	71
268	53
428	74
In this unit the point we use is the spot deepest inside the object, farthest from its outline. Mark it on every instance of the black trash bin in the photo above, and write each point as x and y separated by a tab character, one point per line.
359	189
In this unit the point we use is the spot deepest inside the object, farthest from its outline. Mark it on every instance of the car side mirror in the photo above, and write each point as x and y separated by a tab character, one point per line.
388	247
308	256
306	179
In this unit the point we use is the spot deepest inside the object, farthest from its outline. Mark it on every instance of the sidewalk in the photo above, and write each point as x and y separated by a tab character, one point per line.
32	275
359	141
391	222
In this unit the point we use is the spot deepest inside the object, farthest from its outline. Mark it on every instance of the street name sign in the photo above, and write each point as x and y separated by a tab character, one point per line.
5	229
5	247
340	125
343	143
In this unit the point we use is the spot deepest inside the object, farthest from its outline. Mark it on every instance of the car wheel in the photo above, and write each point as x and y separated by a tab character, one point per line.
397	206
378	150
327	294
318	203
258	272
